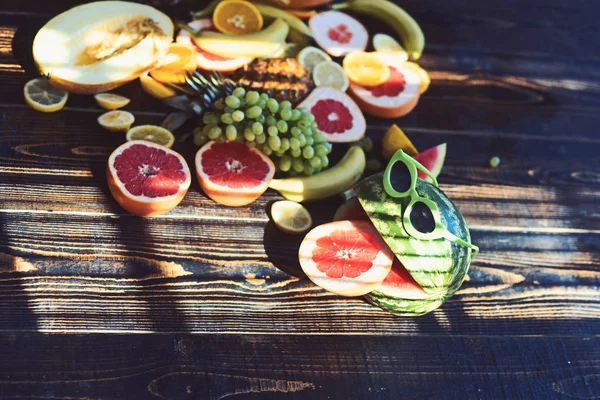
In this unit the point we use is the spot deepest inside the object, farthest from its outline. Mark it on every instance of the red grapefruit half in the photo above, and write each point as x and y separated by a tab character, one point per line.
146	178
232	174
348	258
208	62
394	98
337	115
338	33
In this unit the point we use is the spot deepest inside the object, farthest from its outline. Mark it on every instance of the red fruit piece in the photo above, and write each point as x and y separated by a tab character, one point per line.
332	116
392	87
340	34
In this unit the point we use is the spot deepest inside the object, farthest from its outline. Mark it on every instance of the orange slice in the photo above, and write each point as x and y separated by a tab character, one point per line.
425	79
237	17
365	68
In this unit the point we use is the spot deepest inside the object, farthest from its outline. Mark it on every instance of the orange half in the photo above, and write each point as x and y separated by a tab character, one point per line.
237	17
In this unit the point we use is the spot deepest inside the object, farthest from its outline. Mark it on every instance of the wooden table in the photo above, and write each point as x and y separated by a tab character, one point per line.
208	301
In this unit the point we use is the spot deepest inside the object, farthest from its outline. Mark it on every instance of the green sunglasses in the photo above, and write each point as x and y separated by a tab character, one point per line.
429	227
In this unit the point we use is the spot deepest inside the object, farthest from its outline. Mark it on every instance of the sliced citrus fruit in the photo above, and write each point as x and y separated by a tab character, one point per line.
116	121
154	88
310	56
394	140
151	133
365	68
330	74
348	258
147	179
42	96
110	101
425	79
291	217
179	61
389	50
237	17
232	174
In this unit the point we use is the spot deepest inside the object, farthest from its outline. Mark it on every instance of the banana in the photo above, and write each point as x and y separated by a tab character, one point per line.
405	26
295	23
330	182
258	44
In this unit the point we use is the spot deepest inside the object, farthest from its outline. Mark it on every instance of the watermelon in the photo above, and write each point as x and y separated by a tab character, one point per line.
438	266
433	160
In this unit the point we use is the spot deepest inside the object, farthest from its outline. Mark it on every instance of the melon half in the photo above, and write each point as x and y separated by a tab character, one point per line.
99	46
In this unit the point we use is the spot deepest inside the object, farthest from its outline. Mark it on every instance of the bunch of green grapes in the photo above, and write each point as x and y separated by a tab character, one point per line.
289	136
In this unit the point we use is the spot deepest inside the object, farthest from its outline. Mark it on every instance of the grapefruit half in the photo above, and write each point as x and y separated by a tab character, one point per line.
146	178
348	258
232	174
338	33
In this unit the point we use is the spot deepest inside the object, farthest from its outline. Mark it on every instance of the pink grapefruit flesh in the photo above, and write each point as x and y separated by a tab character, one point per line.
338	33
348	258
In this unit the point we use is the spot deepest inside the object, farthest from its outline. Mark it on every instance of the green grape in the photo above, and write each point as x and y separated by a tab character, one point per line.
199	137
261	119
252	97
206	129
214	132
310	117
319	137
238	116
294	144
280	153
285	164
285	104
285	144
232	101
267	150
249	135
296	152
273	131
285	114
298	165
321	150
257	128
273	105
231	132
494	162
239	92
296	114
271	120
310	141
304	111
302	140
228	109
328	145
274	142
264	96
253	112
296	131
209	118
227	119
260	139
324	161
367	144
262	104
219	105
282	126
220	139
251	144
315	162
303	124
308	169
308	152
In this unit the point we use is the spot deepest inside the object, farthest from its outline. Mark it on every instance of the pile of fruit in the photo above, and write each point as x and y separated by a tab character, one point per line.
270	96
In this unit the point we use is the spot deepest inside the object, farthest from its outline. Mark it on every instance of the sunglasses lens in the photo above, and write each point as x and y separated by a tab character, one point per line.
400	177
422	218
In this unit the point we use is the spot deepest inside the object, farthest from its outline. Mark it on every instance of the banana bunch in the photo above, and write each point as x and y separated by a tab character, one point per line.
264	43
330	182
299	32
405	26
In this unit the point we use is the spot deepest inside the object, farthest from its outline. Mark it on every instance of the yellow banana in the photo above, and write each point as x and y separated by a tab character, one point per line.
295	23
405	26
330	182
258	44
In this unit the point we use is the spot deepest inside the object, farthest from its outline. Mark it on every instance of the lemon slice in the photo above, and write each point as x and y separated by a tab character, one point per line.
330	74
425	79
291	217
42	96
154	88
151	133
310	56
389	50
110	101
365	68
116	121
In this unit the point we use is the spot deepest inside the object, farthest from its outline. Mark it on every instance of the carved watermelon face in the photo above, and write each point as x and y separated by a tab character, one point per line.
438	266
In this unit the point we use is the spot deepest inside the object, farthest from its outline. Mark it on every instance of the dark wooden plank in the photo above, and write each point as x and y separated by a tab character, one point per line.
296	367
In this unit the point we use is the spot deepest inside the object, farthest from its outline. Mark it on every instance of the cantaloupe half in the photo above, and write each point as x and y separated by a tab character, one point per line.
99	46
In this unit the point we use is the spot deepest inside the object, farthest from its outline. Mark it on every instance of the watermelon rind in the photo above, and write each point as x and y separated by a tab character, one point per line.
438	266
